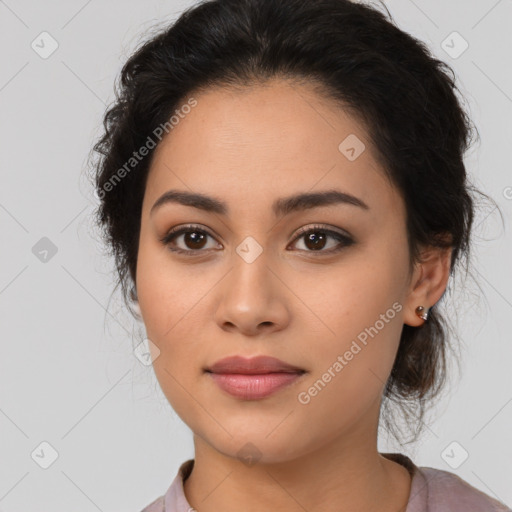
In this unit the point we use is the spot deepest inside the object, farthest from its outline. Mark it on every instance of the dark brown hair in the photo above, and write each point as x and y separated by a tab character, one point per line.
356	56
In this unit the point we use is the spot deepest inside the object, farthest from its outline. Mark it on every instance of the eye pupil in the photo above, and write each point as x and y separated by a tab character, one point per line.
197	239
317	239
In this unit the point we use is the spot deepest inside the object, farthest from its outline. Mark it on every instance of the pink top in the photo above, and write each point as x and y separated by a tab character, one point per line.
432	490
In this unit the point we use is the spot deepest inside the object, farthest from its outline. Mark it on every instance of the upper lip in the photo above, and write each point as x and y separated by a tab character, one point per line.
252	366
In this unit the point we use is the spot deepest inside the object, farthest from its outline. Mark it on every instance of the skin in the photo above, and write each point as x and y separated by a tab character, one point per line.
247	148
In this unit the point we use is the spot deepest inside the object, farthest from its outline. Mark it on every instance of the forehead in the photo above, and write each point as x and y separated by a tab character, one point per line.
266	141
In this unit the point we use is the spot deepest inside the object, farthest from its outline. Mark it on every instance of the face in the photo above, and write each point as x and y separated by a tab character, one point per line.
319	284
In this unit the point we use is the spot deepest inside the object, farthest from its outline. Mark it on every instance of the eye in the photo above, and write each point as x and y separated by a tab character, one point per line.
316	237
194	239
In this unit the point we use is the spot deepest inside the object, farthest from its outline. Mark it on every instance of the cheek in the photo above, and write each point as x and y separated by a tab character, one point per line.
173	302
170	305
350	371
349	300
361	306
164	291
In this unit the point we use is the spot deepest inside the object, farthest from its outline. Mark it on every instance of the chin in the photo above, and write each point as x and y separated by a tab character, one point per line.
258	447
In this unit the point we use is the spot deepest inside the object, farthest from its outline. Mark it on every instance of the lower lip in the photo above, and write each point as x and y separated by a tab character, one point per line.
253	387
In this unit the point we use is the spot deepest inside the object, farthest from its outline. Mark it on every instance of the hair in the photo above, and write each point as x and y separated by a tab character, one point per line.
353	55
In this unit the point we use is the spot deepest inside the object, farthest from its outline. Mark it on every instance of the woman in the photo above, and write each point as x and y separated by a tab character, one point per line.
282	185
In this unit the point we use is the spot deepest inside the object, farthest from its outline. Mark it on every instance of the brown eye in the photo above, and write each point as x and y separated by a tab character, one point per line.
193	239
317	238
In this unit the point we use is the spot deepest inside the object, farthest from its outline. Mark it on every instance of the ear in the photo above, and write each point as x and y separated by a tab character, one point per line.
428	282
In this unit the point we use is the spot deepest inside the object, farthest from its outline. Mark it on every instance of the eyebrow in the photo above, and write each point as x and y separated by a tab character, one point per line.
280	207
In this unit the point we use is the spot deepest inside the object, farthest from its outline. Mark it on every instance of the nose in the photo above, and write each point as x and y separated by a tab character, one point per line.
252	298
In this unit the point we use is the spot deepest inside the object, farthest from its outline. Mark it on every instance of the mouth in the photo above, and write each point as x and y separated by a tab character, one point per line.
254	378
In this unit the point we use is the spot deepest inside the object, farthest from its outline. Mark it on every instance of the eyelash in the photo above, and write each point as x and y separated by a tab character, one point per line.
344	239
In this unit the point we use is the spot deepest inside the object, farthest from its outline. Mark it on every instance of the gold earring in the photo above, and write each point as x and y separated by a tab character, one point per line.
421	313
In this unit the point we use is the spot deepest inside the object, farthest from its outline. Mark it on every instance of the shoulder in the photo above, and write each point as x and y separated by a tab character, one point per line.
174	499
155	506
448	492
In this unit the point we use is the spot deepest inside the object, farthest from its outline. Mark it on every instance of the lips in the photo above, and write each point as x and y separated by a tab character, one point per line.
252	366
255	378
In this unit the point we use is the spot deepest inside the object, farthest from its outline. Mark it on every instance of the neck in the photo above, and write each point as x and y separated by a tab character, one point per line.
347	474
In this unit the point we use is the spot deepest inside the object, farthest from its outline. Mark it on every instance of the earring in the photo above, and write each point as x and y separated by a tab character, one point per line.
420	312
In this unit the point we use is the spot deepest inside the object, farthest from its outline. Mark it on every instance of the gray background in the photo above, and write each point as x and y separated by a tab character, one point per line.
68	375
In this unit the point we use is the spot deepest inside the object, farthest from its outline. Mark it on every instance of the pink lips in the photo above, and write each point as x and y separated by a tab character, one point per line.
254	378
